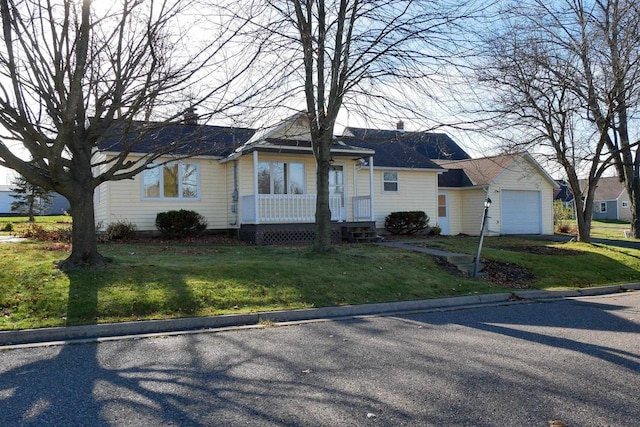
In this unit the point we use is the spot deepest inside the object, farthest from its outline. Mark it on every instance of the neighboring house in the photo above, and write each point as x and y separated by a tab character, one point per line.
58	206
262	185
611	200
521	194
563	193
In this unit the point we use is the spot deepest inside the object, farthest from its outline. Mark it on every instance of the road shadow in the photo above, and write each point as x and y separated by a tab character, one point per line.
583	315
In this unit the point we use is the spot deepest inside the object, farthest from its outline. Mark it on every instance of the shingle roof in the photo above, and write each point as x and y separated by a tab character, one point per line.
480	171
183	139
434	146
608	188
392	154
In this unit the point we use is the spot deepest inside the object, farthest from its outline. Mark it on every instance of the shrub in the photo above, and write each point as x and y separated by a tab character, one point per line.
38	232
120	230
409	222
8	227
436	230
182	223
565	228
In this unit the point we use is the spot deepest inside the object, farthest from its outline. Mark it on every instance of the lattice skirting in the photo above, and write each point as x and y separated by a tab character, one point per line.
279	234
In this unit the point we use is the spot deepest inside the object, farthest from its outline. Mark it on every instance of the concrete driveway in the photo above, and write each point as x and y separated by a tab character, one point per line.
576	360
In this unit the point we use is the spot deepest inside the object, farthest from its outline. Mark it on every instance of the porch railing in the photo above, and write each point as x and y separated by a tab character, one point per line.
362	208
287	208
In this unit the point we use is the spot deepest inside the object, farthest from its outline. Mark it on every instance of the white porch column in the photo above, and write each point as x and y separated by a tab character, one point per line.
256	204
373	215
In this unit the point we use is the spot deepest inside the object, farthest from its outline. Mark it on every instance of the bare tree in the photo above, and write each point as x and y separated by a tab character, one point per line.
563	76
72	71
377	58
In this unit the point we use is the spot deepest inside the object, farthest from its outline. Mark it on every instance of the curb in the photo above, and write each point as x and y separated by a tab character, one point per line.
66	334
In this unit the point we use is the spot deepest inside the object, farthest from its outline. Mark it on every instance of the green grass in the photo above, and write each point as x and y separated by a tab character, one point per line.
607	229
21	223
156	280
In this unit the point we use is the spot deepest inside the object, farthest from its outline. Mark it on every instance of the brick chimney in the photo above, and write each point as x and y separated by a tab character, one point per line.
400	126
190	116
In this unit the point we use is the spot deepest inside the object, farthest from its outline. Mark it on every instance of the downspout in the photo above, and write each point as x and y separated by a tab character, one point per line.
371	192
234	195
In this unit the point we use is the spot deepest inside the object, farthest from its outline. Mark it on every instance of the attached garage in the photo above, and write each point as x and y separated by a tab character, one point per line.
521	212
521	192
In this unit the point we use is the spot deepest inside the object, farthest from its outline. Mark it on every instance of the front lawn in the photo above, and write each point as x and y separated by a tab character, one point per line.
155	279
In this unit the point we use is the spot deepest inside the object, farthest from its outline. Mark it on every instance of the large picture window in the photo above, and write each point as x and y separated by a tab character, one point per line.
172	181
280	178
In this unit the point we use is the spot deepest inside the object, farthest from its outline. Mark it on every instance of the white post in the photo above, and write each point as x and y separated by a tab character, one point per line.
256	205
373	215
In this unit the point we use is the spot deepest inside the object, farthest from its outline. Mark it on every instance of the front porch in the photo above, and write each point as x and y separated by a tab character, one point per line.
299	208
275	234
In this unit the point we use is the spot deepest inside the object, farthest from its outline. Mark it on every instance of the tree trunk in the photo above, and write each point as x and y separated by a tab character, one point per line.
634	206
84	252
584	225
322	239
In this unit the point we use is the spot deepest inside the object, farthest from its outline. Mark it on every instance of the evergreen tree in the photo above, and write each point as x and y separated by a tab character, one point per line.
30	198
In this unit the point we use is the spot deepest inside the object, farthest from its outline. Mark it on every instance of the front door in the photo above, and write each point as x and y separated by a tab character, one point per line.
443	214
336	193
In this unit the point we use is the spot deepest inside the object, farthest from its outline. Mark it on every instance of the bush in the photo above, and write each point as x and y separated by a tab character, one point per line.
406	222
120	230
8	227
564	228
436	230
40	233
182	223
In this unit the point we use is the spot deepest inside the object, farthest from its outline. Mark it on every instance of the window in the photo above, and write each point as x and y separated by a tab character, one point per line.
390	181
603	207
172	181
625	204
280	178
442	205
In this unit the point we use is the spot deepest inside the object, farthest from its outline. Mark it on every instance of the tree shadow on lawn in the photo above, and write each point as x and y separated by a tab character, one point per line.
183	381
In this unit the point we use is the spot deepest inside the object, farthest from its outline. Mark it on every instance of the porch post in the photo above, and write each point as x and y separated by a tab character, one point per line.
256	205
373	215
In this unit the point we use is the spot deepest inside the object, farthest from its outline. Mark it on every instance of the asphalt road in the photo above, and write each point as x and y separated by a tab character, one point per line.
518	365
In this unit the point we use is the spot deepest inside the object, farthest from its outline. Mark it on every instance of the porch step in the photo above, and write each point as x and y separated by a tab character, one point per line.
357	234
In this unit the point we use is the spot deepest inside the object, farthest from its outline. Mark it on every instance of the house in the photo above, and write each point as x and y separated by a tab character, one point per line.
59	204
611	200
521	194
262	185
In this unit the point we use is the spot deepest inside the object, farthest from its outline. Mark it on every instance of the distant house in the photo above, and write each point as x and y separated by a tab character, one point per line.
59	204
563	193
262	185
611	200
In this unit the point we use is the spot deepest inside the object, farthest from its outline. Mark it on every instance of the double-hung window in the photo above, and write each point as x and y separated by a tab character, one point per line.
172	181
390	181
280	178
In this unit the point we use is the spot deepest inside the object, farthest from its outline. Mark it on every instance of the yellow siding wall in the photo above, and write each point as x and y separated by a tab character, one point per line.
125	203
417	191
522	175
472	211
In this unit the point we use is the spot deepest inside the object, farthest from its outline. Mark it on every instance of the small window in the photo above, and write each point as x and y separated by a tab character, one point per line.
625	204
603	207
442	205
390	181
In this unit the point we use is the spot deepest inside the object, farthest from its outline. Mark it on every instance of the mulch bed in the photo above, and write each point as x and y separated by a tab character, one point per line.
503	274
540	250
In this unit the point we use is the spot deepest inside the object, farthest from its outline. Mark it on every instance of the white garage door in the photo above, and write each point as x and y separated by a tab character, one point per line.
521	212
